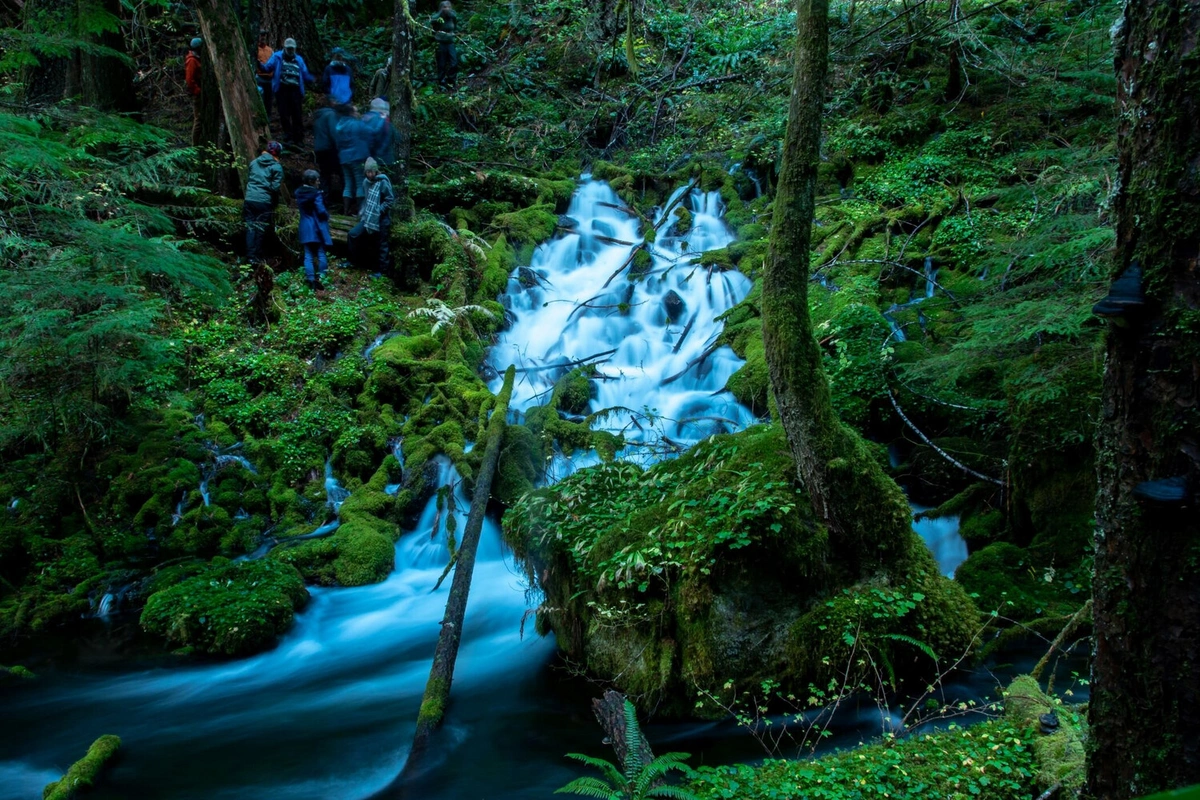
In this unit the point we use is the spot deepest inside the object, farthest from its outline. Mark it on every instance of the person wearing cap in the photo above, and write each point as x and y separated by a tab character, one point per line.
191	76
381	136
264	71
289	77
371	247
444	24
338	80
263	181
381	83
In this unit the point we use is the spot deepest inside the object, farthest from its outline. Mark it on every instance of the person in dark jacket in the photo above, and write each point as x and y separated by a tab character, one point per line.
262	195
445	24
314	228
351	137
191	76
338	79
290	75
325	147
381	136
370	245
381	83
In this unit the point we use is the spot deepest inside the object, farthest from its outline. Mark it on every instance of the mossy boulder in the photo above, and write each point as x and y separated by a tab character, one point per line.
233	610
1058	749
573	391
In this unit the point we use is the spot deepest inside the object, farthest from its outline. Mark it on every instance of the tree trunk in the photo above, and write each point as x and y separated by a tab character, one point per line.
401	105
437	690
610	713
1145	705
295	19
866	512
106	81
231	65
48	79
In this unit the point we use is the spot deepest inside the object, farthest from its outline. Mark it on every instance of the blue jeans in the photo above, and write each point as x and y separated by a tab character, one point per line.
353	182
314	252
258	217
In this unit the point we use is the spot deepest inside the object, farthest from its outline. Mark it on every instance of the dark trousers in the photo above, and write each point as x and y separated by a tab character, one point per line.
447	63
268	95
372	250
258	217
330	169
290	119
197	108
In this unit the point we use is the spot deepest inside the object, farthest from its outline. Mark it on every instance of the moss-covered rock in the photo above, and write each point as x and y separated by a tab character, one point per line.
84	773
1059	750
1013	581
233	610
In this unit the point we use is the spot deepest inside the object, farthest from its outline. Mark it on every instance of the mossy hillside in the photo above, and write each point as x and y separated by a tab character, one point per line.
84	773
989	761
1011	581
234	610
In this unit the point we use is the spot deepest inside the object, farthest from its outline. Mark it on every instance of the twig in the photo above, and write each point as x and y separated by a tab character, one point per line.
937	449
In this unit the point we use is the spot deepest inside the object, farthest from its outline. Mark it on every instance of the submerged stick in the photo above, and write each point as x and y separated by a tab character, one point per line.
437	690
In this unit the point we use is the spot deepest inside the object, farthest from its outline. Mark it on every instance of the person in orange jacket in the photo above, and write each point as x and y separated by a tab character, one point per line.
264	72
191	75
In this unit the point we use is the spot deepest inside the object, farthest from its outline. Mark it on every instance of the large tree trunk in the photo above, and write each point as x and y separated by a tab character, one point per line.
48	79
106	81
231	64
401	106
1145	706
864	509
99	80
294	18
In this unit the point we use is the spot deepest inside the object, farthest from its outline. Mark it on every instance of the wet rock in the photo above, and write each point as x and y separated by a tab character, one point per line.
528	278
569	224
603	228
423	483
674	306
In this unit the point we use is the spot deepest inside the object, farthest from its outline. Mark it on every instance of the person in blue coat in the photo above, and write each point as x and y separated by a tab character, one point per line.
381	136
314	228
353	146
291	74
338	80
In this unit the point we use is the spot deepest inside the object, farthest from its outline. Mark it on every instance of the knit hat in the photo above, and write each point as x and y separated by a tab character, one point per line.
338	52
370	165
289	42
275	148
310	177
197	43
380	105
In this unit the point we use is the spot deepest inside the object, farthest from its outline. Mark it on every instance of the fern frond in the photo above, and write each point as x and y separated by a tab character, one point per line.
917	643
590	787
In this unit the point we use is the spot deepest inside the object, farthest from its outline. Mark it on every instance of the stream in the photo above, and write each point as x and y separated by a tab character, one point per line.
330	711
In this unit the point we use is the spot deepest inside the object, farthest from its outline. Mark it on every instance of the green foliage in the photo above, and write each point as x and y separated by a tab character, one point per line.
83	773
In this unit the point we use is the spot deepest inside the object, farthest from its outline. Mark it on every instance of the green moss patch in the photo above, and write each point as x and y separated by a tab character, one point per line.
84	773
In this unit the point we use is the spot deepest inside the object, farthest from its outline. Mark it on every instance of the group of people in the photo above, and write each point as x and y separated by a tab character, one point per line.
368	240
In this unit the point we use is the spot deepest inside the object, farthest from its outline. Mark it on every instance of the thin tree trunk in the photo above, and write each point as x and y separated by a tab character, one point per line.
437	690
865	510
294	19
610	713
1145	703
401	106
230	62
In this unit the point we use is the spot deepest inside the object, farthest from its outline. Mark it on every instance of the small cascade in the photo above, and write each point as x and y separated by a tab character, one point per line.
930	277
111	602
374	345
942	538
335	493
895	308
398	453
178	513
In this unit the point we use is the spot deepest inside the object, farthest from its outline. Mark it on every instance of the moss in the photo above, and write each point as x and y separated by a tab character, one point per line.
529	225
84	773
433	706
751	383
520	464
573	391
1009	579
1060	754
233	610
642	261
365	552
499	263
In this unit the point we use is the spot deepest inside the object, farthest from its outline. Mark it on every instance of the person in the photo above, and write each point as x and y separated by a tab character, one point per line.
289	77
381	136
444	24
351	138
314	228
264	71
369	239
191	77
325	146
381	83
262	194
338	79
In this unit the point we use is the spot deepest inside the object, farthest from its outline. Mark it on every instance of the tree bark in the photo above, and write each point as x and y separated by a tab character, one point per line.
231	65
294	19
1145	704
865	511
610	713
401	106
437	690
106	81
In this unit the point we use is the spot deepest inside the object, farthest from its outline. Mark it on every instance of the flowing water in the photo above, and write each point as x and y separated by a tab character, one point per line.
330	711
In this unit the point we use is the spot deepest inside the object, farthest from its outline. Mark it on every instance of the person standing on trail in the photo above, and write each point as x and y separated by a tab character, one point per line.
314	229
325	146
191	77
289	77
262	195
264	71
353	146
338	80
370	238
381	136
381	83
444	24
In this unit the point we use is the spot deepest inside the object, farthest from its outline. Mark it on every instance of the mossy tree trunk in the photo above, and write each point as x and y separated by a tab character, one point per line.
865	511
441	674
92	67
401	106
1145	706
231	65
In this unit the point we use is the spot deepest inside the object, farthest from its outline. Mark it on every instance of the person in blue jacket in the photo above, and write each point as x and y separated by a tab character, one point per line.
314	228
291	74
381	136
338	80
325	146
353	146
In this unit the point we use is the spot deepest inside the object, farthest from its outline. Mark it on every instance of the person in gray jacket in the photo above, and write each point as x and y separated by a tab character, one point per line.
262	195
